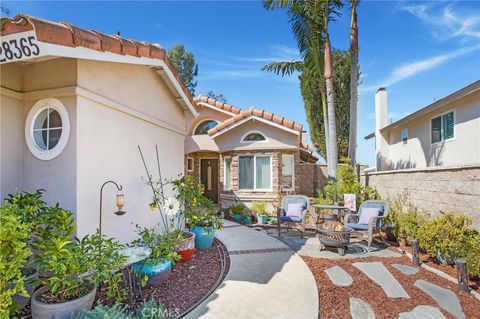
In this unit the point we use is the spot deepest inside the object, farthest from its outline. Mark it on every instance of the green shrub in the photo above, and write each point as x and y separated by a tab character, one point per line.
149	310
163	245
259	207
238	209
14	254
409	223
447	235
473	254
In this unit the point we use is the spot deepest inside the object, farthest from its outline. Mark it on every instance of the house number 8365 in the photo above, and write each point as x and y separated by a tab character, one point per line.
19	48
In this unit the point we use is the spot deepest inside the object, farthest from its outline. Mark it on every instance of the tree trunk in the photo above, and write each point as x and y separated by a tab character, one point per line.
332	159
325	120
352	136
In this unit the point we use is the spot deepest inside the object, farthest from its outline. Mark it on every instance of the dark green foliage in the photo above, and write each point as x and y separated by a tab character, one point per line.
163	245
184	62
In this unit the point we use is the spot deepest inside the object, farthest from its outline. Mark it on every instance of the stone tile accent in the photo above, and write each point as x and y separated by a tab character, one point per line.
360	309
406	270
258	251
422	312
377	272
339	276
444	297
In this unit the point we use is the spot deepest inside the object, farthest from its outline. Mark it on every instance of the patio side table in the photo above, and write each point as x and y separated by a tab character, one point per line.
338	211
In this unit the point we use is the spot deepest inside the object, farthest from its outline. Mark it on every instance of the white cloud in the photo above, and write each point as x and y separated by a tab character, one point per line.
407	70
445	22
275	53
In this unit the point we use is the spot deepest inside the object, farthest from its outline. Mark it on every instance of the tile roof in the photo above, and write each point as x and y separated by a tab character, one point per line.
66	34
242	114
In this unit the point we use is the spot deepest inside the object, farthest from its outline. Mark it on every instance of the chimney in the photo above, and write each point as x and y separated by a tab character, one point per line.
381	120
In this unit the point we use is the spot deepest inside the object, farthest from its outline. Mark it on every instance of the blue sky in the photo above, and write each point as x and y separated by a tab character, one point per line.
418	50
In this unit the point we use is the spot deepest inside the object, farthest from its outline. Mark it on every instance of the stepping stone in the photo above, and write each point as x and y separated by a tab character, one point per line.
422	312
339	276
445	298
360	309
377	272
406	270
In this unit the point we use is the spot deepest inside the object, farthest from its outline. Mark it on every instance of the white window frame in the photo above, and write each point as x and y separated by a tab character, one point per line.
441	127
38	107
293	173
401	136
225	173
255	189
193	164
200	122
242	140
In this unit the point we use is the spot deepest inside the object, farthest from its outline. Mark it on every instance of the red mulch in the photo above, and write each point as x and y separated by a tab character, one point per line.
451	270
334	300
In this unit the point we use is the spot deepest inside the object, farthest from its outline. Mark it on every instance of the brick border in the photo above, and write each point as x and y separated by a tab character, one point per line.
258	251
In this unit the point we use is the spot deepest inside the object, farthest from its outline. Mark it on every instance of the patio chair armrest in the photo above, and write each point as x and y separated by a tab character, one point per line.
372	223
347	217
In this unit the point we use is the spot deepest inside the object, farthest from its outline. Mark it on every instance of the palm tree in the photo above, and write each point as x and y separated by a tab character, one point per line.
309	20
352	137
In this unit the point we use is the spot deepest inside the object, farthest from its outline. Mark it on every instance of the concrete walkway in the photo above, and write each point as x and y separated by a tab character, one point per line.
266	280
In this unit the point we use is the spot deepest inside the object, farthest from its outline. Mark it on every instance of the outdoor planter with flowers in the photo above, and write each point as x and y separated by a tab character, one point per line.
259	208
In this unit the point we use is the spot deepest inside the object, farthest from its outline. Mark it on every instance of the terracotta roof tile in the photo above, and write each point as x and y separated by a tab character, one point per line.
67	34
220	105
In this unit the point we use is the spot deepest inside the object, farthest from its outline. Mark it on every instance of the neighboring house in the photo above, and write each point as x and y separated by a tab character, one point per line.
445	133
75	104
244	155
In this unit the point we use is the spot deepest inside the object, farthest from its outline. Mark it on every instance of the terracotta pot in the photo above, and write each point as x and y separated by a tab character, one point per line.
62	310
187	247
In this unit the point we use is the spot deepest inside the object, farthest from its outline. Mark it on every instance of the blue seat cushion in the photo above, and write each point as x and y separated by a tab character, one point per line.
358	226
294	219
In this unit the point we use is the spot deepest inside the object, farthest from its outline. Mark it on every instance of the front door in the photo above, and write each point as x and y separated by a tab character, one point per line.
209	178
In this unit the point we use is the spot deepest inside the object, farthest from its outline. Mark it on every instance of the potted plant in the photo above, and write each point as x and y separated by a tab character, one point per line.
260	209
157	267
237	211
203	223
186	244
247	216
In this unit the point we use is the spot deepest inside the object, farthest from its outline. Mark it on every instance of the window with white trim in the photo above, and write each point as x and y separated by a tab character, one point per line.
254	137
47	129
190	164
404	136
443	127
227	174
255	172
288	172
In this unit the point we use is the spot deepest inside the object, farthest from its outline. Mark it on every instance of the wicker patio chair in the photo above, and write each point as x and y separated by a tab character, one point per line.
297	222
352	220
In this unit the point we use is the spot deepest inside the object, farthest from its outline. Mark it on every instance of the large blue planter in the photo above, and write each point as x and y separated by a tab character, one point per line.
157	269
203	238
237	217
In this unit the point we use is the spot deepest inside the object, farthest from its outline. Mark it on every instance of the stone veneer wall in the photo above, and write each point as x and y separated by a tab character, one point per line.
452	189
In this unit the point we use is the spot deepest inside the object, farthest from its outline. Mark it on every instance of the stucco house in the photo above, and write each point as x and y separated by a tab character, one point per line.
445	133
242	155
75	104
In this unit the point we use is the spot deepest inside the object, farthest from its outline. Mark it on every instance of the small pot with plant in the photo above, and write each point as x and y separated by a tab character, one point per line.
247	216
186	246
237	211
156	268
203	223
260	210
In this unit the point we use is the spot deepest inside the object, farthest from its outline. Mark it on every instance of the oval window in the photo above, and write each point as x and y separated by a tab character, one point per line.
47	129
204	126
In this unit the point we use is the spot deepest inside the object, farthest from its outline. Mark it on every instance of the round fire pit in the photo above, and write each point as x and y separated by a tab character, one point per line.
334	238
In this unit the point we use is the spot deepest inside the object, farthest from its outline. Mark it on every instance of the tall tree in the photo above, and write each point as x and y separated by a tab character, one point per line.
184	62
352	138
219	97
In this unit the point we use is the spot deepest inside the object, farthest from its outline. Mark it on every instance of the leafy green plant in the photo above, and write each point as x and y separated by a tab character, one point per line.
409	223
238	209
149	310
14	254
29	206
472	254
259	207
163	245
446	235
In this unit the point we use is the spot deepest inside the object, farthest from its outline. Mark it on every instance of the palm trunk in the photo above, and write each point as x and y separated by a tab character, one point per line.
325	119
332	159
352	136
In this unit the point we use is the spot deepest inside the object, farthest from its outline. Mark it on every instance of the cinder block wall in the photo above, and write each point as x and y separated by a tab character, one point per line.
453	189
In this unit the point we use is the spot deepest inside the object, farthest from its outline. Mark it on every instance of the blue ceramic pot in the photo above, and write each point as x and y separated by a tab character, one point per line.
204	237
248	220
237	217
157	269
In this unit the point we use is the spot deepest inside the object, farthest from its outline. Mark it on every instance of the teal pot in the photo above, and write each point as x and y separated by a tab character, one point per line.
157	269
247	220
262	219
62	310
237	217
204	237
29	285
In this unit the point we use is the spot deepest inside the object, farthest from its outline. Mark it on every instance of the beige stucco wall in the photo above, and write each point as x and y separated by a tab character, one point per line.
276	138
464	149
20	169
108	140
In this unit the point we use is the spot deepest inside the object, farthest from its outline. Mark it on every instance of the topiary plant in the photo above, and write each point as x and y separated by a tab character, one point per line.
445	237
